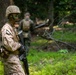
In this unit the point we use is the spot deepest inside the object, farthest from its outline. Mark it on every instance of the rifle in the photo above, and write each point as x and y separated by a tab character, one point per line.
23	57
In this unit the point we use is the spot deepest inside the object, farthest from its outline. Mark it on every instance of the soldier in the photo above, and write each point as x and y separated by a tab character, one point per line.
27	26
10	40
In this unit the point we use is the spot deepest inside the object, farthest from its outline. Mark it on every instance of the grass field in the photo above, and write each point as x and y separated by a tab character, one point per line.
50	63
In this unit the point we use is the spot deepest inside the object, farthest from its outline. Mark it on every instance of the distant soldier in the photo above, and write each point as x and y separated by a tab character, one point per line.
27	26
10	40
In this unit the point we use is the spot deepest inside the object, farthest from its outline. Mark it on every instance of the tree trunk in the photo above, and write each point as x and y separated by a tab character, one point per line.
51	14
4	4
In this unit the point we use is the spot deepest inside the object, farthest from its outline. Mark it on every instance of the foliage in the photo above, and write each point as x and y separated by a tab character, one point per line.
1	68
68	36
52	63
40	8
63	51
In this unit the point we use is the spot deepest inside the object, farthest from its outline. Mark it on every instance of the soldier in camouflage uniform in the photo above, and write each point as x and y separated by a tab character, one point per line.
10	40
27	26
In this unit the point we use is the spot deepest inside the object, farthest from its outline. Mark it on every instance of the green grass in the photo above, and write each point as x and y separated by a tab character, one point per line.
65	36
1	68
38	42
52	63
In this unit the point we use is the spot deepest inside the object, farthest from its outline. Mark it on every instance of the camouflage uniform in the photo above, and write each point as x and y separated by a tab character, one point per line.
12	65
27	26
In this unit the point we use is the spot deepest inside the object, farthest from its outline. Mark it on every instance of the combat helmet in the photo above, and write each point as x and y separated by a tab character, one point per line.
12	9
27	14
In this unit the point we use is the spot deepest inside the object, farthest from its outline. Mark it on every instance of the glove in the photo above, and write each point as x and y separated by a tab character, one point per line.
22	49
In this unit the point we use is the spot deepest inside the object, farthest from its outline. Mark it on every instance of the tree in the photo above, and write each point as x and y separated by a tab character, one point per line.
4	4
51	14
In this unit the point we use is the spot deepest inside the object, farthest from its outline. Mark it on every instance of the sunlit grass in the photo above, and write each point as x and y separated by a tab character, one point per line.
1	68
52	63
38	42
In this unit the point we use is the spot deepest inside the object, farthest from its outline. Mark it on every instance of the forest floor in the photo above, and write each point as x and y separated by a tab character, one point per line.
61	38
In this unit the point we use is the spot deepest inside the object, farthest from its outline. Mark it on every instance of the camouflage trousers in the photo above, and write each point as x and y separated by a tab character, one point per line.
12	66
